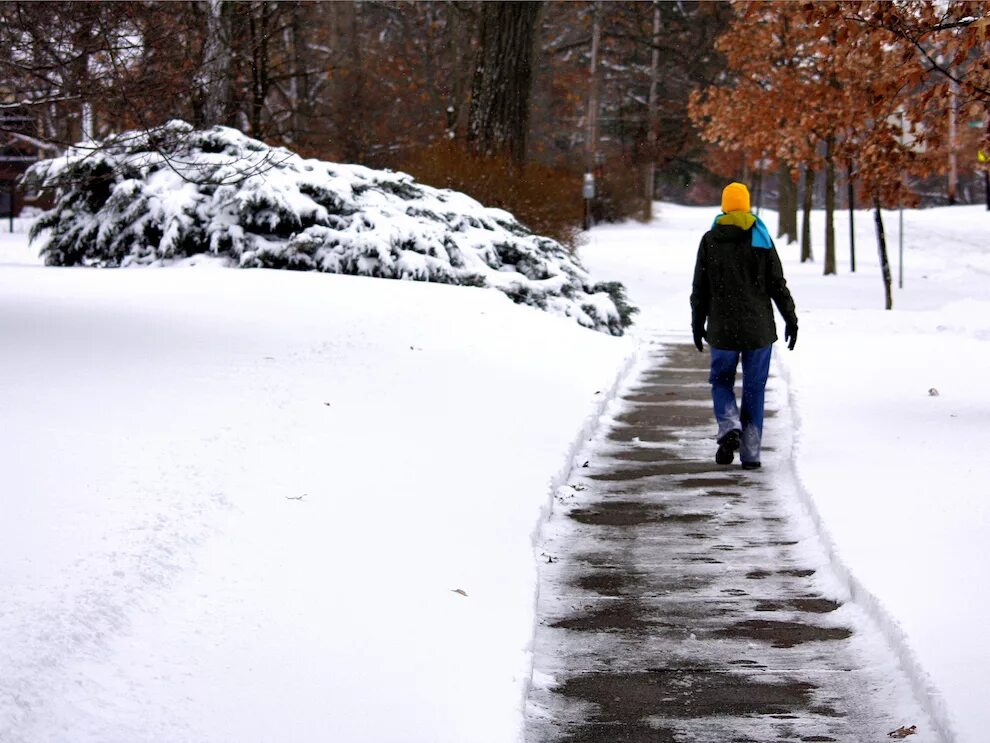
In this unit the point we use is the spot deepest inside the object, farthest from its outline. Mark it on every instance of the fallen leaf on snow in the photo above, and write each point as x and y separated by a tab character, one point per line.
458	590
932	392
903	732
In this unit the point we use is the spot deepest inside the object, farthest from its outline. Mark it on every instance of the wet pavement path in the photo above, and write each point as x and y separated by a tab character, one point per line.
681	600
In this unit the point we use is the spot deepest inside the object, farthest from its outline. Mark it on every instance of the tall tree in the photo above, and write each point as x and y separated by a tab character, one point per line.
786	203
499	113
653	114
807	202
216	63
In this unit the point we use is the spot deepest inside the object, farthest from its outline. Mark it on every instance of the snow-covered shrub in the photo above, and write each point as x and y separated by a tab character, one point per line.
150	198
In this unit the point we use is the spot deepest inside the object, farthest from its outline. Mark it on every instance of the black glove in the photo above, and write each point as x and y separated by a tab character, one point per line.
699	334
790	335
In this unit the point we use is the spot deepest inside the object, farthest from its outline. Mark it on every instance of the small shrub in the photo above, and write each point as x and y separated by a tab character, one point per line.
620	192
546	200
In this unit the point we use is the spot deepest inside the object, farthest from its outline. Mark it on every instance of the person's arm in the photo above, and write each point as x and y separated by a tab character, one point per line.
781	296
701	296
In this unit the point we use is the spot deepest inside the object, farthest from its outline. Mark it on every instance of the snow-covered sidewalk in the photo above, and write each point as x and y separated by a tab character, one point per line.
682	600
889	411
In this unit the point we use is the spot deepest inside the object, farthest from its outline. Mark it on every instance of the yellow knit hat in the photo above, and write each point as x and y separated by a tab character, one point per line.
735	198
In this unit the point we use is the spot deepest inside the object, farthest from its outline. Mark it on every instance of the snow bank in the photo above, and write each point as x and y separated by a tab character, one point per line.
239	504
889	409
149	198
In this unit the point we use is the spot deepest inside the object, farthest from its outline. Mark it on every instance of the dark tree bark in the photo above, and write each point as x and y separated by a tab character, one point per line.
809	192
216	60
829	207
787	204
299	83
781	200
260	80
852	216
653	118
461	32
351	90
882	248
499	114
759	186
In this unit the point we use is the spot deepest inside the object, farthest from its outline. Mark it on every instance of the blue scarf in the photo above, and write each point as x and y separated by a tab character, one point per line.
761	235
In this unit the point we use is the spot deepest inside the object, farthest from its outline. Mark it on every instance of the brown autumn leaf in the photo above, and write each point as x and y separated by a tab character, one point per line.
459	591
903	732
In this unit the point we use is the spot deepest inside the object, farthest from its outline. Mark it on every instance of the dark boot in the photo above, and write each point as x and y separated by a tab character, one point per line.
727	447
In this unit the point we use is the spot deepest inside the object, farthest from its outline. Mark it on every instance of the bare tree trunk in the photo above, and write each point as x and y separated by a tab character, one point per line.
829	206
503	77
461	33
50	116
852	216
88	123
259	65
654	119
591	137
591	142
216	62
787	204
347	35
759	184
809	193
292	94
792	210
298	93
953	146
80	80
781	199
882	248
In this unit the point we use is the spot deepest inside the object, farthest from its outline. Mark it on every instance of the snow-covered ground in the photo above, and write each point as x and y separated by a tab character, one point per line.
238	504
889	410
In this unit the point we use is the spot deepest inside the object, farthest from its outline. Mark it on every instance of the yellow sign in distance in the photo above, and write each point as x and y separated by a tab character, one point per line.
982	156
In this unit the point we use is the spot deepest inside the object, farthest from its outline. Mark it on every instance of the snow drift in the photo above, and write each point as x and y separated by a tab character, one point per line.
154	197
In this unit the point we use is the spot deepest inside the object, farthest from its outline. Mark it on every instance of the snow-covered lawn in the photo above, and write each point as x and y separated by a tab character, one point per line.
891	409
237	504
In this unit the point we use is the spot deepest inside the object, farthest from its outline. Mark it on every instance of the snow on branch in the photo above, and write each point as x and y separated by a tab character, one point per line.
154	197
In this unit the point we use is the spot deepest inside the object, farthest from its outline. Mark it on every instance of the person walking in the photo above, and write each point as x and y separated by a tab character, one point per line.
736	276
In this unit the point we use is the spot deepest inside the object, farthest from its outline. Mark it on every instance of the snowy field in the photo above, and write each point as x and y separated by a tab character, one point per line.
889	410
238	504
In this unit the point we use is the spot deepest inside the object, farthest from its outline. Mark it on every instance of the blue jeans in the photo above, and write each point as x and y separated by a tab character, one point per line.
749	420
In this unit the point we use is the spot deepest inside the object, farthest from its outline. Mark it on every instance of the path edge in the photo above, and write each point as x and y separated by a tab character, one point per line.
929	698
586	433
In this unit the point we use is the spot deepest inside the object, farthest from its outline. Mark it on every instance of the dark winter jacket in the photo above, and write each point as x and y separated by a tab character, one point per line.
733	285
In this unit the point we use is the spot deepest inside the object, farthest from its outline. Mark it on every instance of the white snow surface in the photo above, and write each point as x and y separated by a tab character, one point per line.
238	505
889	410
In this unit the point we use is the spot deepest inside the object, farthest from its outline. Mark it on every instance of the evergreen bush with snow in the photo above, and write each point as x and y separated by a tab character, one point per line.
157	197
